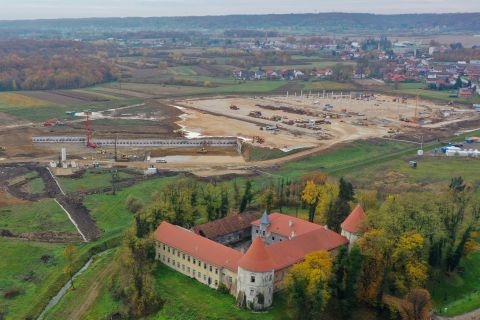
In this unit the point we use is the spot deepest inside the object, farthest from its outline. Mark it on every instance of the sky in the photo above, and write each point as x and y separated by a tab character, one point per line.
51	9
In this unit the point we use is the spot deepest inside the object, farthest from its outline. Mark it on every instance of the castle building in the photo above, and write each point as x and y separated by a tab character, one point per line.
351	227
278	242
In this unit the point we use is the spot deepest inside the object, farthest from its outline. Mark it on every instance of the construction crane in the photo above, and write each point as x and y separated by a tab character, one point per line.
90	144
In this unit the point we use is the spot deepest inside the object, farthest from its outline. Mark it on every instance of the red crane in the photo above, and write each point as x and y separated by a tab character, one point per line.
89	133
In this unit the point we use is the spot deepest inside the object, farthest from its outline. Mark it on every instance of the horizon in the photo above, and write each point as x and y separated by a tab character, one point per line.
69	9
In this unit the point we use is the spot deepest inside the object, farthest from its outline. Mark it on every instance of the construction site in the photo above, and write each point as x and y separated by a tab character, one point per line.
211	134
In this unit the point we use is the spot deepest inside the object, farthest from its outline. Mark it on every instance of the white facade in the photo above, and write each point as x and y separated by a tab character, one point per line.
255	286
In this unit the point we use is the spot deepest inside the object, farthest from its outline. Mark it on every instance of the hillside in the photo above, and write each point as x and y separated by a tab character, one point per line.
293	23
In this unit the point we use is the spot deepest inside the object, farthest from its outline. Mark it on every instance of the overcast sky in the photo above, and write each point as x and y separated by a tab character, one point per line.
46	9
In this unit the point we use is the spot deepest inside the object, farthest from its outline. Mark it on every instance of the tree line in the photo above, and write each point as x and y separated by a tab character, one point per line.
51	64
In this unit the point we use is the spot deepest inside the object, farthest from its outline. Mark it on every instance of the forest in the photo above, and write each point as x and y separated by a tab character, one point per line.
51	64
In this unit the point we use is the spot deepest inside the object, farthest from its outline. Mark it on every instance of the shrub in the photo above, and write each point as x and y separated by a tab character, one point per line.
12	293
223	289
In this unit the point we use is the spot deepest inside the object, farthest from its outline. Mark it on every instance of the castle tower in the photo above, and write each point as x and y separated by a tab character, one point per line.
351	226
255	277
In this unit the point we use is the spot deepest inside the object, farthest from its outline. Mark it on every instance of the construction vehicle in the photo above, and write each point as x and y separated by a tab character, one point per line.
50	122
258	139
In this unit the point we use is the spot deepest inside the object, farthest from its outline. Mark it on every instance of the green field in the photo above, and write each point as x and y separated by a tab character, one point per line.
21	267
92	179
111	213
40	216
41	110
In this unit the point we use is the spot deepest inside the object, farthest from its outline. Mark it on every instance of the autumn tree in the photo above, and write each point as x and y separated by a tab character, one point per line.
70	252
268	198
416	305
311	196
136	281
306	285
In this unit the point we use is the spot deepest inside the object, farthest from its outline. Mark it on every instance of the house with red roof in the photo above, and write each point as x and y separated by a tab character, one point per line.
278	242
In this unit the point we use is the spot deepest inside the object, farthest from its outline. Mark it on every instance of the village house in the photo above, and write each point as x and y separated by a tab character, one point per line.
278	242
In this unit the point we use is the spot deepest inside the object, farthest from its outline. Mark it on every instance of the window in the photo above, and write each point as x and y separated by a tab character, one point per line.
273	238
183	256
168	260
204	277
216	270
204	265
178	264
252	279
188	258
216	283
252	292
199	263
178	254
194	261
210	268
188	269
169	249
256	231
173	251
183	267
163	247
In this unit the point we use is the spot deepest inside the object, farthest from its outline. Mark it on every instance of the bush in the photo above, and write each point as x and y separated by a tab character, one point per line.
223	289
12	293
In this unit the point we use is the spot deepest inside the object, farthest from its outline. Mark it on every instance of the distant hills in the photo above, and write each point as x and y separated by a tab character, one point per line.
339	23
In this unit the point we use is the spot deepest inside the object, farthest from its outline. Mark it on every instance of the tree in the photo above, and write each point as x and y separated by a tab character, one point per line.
416	305
70	252
136	279
311	196
345	277
268	198
247	196
340	209
306	285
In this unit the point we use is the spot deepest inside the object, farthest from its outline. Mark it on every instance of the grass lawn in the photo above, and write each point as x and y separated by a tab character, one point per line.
457	295
91	179
39	216
21	267
111	213
188	299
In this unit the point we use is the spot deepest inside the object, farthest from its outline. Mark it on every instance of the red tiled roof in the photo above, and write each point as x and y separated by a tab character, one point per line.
233	223
257	258
197	246
354	219
284	225
288	252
